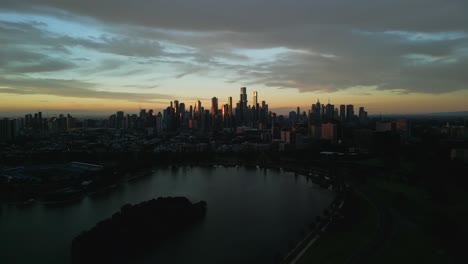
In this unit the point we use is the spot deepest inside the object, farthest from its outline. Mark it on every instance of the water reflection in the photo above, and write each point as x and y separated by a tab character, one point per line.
252	214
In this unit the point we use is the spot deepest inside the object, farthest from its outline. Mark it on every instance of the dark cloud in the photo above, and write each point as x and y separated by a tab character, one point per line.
70	88
264	15
329	45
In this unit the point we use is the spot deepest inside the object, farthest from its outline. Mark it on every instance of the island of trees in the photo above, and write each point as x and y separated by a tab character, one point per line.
134	229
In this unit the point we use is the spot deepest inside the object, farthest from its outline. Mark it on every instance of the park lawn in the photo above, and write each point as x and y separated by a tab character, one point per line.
347	236
410	240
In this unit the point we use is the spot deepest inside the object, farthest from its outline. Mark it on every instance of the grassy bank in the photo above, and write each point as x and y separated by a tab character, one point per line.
347	235
419	221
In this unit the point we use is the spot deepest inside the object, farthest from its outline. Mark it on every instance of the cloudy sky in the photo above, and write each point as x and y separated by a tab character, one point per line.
399	56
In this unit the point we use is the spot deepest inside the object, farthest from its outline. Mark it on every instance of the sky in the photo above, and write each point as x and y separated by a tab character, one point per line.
400	56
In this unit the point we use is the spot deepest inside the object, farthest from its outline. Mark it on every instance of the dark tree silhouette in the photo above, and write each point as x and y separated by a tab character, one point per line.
135	228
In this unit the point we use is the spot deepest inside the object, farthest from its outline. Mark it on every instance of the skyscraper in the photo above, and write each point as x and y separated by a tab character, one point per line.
230	106
181	113
214	106
342	112
330	111
318	108
119	119
198	108
255	98
362	115
349	112
243	96
176	106
242	106
7	129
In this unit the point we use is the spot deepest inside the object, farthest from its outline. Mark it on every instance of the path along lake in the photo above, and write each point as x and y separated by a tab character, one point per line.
252	216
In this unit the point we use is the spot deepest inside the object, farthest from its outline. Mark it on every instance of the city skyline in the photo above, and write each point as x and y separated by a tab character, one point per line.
63	56
214	106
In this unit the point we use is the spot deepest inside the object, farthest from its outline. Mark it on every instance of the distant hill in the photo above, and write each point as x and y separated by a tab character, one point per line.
437	114
459	113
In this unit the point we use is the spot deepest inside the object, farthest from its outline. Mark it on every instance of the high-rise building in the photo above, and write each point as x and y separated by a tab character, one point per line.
342	112
181	110
198	108
7	129
382	126
349	112
214	106
362	115
329	131
225	112
176	106
119	119
318	111
226	116
255	98
330	111
241	112
143	113
230	106
243	96
159	122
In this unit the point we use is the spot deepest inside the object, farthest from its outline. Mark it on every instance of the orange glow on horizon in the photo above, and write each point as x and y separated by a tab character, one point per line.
376	102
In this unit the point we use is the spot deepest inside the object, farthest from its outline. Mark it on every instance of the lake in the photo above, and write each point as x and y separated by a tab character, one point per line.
252	216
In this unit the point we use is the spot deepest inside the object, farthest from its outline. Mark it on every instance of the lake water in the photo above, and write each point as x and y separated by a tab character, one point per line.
252	216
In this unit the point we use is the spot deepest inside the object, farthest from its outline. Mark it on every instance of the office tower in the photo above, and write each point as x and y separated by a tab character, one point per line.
143	113
214	106
7	130
126	121
70	122
176	106
181	110
230	106
198	108
226	116
349	112
318	111
225	112
119	119
292	118
342	112
330	111
28	121
318	106
241	112
159	126
329	131
243	96
38	122
62	122
362	115
255	98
